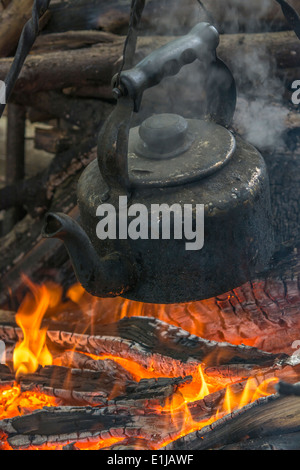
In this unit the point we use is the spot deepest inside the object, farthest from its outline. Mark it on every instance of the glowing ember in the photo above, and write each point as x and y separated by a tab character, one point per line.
100	444
13	402
136	370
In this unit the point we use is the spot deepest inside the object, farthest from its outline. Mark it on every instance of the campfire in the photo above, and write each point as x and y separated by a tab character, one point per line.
87	373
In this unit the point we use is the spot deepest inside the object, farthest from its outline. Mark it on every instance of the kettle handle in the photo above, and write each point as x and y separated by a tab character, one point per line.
201	43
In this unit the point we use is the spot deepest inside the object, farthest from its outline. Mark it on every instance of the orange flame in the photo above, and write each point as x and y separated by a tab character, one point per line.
32	350
231	402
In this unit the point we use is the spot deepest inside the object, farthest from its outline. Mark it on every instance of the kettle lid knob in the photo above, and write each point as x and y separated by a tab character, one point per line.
163	135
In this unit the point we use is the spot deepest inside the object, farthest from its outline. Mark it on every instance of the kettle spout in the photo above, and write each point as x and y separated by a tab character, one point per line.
110	276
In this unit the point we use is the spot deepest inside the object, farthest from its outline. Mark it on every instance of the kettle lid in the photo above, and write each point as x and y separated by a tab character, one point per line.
169	150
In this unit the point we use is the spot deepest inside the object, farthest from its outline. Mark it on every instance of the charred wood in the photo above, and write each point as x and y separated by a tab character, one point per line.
42	186
87	114
288	389
129	420
149	341
70	40
142	417
53	140
267	417
101	388
288	441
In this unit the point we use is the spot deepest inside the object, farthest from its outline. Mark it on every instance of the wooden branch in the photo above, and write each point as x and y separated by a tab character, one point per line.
113	16
12	21
70	40
88	114
173	16
63	69
53	140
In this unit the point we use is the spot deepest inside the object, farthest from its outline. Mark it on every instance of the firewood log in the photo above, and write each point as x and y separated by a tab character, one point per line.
12	21
96	65
266	419
53	140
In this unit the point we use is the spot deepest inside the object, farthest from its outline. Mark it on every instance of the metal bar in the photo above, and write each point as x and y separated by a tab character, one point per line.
15	158
27	39
136	11
291	16
15	144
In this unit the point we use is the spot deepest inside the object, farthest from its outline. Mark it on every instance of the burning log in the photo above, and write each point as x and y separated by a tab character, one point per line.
111	383
150	341
139	345
135	415
263	313
66	425
6	377
263	420
142	405
125	405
